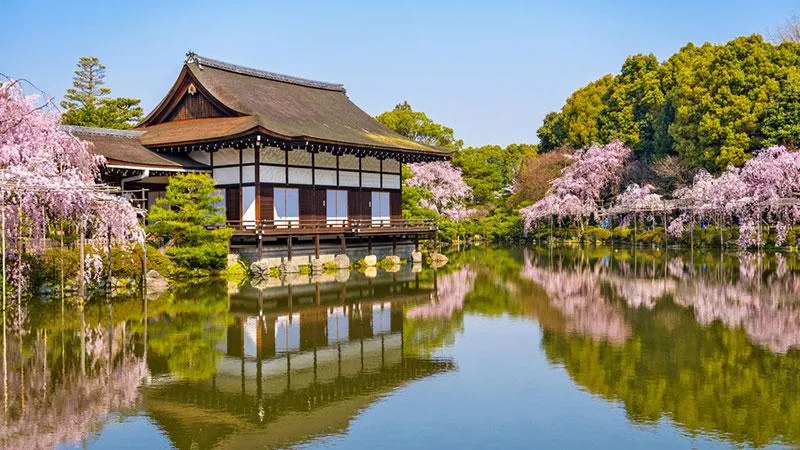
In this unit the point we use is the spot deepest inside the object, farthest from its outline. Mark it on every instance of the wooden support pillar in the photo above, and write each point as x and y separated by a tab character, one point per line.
316	246
394	245
257	177
369	245
289	247
416	243
241	189
343	244
260	245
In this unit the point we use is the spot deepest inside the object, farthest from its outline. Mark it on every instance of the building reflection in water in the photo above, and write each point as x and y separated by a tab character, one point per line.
207	364
300	361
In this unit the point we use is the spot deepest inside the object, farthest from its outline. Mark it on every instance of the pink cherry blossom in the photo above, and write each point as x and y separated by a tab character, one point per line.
449	193
577	192
48	175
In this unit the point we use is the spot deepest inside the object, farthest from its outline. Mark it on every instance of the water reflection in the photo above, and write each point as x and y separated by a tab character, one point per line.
708	342
212	363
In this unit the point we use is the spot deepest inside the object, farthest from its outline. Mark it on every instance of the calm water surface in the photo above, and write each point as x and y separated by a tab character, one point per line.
521	348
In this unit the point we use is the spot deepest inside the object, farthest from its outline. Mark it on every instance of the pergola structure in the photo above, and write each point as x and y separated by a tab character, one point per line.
671	206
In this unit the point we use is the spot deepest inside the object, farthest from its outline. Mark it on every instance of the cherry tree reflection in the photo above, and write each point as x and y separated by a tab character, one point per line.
53	398
448	297
751	293
576	293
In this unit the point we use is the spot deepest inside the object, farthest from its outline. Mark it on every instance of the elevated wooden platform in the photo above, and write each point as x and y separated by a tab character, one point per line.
348	228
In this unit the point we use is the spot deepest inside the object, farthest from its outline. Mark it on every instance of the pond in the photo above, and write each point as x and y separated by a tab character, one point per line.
507	348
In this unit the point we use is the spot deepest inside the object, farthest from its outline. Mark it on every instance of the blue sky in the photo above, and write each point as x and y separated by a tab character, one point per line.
490	70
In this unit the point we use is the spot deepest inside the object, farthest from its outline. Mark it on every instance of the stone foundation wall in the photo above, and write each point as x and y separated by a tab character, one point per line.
302	252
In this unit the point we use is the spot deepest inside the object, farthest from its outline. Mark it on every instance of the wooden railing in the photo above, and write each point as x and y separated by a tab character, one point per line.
331	226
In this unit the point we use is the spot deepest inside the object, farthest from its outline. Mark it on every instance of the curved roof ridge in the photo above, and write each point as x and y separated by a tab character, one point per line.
201	61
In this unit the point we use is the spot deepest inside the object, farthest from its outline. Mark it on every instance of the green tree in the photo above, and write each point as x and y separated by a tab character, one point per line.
712	105
490	170
187	215
551	134
782	118
633	105
417	126
720	95
87	102
577	124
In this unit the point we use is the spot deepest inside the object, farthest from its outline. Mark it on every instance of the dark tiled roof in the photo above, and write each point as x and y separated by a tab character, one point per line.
123	148
295	108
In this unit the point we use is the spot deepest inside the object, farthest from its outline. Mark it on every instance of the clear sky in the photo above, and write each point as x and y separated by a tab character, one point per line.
490	70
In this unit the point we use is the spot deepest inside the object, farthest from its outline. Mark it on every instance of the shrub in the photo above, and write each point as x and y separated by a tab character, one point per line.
187	214
654	236
622	232
128	263
597	234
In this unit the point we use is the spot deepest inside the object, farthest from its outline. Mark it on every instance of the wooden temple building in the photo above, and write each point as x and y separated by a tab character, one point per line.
291	157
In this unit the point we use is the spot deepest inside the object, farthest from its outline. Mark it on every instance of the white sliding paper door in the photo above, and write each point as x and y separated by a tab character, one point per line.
380	208
249	206
287	207
336	207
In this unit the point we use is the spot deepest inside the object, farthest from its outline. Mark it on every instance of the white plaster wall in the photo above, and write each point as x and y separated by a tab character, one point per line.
248	156
200	156
272	174
226	156
349	179
391	181
299	158
325	159
370	163
248	174
272	155
348	162
299	176
372	180
391	166
325	177
227	175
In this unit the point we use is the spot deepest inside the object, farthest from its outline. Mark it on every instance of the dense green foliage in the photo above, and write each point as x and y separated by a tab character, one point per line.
491	171
712	104
417	126
87	103
577	123
189	218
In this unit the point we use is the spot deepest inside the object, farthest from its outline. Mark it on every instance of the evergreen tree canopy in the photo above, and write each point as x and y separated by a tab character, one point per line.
87	102
417	126
712	105
491	169
188	215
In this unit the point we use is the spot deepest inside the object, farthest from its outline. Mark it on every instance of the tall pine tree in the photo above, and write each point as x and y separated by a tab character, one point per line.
88	102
